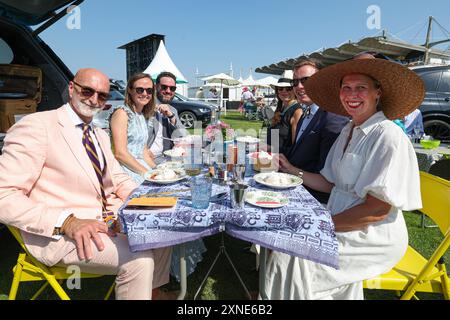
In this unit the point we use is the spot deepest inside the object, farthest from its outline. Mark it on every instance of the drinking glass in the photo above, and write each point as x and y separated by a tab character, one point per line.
201	188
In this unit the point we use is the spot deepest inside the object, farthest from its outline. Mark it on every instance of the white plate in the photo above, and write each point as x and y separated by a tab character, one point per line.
247	139
266	199
170	165
180	173
294	180
169	153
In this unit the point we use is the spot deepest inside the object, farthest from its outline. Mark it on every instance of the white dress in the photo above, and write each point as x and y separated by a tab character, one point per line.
379	160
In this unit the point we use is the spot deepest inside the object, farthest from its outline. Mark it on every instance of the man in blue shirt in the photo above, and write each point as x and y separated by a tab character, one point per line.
414	124
317	130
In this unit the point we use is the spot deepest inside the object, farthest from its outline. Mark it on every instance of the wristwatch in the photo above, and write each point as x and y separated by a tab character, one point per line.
300	173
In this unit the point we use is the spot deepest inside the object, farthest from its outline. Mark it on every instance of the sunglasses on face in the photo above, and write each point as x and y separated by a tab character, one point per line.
88	92
281	89
300	80
164	88
140	90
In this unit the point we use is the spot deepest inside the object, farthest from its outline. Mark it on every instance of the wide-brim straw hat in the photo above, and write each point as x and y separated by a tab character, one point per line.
402	90
285	80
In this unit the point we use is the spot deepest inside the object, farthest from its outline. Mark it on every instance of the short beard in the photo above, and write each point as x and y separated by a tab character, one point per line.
86	110
162	99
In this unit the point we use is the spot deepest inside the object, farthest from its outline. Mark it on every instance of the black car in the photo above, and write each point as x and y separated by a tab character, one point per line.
436	106
190	111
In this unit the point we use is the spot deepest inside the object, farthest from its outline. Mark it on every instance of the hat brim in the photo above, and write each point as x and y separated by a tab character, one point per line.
402	90
281	85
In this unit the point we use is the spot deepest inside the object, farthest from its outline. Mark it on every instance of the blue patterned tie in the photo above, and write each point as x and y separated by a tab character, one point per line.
108	216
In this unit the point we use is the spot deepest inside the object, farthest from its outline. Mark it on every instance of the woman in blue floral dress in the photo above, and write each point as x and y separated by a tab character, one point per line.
129	134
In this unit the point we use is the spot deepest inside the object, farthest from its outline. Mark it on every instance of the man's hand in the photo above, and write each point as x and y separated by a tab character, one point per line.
165	110
82	231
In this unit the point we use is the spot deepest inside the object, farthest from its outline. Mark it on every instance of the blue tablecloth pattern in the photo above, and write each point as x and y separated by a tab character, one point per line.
303	228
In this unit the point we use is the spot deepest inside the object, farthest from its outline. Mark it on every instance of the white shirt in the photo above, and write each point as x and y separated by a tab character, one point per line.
76	120
157	146
306	121
380	161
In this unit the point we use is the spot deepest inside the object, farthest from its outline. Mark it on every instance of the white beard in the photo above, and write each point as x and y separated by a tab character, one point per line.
86	110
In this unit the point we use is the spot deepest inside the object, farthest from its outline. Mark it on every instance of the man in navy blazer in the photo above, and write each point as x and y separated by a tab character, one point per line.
317	130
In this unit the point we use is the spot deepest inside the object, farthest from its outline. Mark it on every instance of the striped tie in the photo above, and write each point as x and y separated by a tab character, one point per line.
108	216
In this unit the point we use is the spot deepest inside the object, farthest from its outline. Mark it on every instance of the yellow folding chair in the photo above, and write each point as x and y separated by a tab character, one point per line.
29	269
414	273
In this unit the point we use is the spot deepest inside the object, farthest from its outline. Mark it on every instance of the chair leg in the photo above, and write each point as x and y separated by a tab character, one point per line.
57	287
444	280
111	289
16	281
41	289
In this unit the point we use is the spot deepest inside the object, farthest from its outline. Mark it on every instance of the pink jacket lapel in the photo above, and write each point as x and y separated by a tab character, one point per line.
70	136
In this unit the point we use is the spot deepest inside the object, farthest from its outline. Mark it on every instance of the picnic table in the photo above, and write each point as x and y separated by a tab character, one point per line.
427	157
303	228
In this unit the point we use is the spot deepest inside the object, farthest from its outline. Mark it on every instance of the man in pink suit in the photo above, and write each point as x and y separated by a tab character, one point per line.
57	195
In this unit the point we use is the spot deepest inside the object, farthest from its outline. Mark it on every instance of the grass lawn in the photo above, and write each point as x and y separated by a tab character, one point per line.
222	283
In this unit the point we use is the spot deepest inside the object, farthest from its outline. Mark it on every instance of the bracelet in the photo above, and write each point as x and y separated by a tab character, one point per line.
170	117
66	222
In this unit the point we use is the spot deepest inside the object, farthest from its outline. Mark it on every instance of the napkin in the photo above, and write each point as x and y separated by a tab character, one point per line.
153	201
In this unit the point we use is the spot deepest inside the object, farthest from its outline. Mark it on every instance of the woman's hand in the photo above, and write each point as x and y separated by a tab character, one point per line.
285	165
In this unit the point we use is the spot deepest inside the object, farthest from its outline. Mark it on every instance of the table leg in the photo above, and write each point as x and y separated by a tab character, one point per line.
262	273
183	273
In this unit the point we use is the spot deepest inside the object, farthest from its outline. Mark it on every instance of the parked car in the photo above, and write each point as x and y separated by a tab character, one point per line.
436	105
101	118
190	111
23	45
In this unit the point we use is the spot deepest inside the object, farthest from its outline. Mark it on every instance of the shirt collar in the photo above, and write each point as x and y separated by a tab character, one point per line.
76	120
373	121
313	109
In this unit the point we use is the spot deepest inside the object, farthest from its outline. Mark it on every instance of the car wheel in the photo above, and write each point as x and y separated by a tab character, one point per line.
187	119
438	129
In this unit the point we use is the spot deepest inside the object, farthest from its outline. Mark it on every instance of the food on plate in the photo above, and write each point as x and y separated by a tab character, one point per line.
175	153
263	160
170	165
166	174
277	179
266	199
247	139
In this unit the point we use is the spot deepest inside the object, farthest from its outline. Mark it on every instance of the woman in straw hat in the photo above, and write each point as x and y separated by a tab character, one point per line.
372	174
287	114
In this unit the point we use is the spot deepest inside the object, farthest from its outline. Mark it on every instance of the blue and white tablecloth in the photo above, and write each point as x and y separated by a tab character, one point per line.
303	228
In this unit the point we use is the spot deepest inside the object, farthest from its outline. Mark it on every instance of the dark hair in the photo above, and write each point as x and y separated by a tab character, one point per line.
166	74
149	108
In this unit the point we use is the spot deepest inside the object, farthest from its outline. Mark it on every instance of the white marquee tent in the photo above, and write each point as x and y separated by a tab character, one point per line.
162	62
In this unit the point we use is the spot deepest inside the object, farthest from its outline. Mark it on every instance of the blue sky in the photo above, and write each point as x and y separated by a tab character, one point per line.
209	35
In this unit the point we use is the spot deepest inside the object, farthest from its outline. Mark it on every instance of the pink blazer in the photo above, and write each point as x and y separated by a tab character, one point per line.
44	169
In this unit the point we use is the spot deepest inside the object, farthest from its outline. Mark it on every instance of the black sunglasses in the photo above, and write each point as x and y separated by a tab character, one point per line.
295	82
140	90
164	88
88	92
284	88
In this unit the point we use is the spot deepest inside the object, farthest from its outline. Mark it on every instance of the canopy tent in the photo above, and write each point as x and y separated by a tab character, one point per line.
222	79
162	62
267	81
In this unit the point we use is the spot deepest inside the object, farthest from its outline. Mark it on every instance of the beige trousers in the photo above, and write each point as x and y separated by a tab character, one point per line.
137	273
